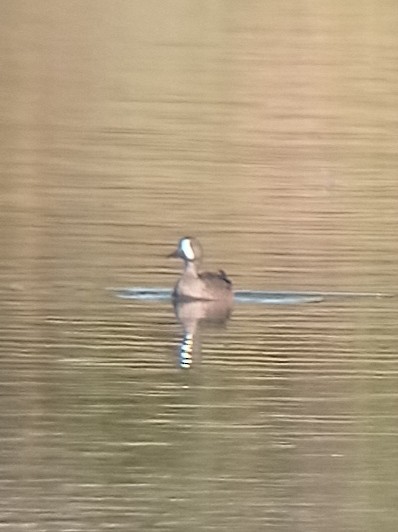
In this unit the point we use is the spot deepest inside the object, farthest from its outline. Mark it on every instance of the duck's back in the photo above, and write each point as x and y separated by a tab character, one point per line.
206	285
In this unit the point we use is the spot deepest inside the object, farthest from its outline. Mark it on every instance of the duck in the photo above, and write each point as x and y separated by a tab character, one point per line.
194	284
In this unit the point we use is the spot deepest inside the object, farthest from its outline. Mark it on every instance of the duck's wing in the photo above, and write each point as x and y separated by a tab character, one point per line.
224	277
220	278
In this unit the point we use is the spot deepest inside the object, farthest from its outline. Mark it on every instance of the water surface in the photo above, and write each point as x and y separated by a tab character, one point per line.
269	132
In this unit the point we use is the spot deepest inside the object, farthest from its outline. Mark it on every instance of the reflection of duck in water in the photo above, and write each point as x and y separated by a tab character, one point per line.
198	298
192	314
199	285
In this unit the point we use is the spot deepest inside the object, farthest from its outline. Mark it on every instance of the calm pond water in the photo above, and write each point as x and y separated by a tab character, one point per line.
269	130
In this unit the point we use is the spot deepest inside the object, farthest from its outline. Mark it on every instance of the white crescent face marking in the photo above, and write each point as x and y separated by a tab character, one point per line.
186	248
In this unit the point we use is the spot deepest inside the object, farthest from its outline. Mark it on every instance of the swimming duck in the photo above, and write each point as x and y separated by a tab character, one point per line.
197	285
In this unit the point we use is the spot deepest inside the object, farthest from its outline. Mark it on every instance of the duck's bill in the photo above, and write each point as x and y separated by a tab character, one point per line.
174	255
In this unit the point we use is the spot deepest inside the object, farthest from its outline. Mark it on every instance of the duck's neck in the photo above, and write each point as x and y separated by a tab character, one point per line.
190	269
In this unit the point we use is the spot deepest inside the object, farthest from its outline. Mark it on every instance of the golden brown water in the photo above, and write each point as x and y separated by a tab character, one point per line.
269	131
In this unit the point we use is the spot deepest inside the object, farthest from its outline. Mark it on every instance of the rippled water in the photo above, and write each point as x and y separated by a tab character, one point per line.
269	131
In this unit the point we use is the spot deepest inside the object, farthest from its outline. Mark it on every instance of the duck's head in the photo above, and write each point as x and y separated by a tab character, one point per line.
188	249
